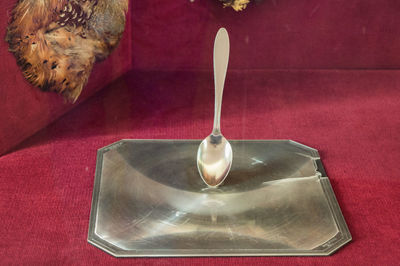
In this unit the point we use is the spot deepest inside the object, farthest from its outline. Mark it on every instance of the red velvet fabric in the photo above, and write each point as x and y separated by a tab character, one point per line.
275	34
351	117
284	82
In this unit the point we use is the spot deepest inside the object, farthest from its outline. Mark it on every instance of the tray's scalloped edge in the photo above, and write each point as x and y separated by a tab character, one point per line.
328	248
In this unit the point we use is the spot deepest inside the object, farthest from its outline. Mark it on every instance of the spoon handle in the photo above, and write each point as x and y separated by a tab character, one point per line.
221	58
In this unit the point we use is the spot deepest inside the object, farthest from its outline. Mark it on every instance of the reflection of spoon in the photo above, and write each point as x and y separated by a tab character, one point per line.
214	156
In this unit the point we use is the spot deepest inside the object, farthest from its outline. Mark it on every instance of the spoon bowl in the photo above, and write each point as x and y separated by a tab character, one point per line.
214	159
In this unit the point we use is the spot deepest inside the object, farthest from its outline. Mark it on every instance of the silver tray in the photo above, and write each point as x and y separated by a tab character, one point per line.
149	200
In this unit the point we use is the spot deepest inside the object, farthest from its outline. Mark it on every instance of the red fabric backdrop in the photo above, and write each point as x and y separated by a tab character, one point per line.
317	34
284	82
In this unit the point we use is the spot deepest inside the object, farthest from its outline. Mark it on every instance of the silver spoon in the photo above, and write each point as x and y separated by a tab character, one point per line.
214	156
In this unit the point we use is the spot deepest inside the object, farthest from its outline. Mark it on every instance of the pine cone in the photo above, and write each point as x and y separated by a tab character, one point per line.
56	42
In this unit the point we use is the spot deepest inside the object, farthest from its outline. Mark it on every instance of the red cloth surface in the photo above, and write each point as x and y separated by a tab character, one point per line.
351	117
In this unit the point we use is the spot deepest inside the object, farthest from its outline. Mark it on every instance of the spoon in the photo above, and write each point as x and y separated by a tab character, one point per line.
214	156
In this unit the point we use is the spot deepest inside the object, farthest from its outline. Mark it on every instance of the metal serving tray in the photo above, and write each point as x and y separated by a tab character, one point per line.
149	200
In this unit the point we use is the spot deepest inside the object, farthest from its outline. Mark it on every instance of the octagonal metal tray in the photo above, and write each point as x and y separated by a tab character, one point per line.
148	200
